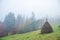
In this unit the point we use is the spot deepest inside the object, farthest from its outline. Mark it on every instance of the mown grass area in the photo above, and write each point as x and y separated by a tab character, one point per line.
35	35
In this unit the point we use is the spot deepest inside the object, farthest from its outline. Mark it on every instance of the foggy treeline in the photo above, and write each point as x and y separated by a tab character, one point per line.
19	25
12	25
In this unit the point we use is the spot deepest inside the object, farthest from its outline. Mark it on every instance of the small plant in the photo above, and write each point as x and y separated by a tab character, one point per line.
58	37
59	26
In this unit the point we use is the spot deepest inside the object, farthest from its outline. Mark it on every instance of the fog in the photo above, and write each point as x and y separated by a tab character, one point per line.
41	8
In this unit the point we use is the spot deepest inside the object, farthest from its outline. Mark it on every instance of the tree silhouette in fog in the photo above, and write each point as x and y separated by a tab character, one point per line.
9	21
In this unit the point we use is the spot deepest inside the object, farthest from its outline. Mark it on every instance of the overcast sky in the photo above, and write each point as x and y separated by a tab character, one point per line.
41	8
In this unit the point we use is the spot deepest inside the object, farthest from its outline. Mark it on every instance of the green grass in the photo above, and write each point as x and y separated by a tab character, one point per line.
35	35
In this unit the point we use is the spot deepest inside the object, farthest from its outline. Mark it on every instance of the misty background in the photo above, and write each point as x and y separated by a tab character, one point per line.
41	8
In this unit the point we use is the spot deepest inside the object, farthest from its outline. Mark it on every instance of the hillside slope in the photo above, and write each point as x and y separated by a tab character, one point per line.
35	35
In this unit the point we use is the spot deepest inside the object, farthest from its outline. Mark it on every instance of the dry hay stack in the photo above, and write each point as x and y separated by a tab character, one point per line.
46	28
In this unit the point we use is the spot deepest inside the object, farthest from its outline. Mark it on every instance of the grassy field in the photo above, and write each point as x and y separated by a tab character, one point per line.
35	35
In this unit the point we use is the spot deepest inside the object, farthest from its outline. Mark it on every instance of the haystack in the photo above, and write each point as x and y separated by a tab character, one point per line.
46	28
